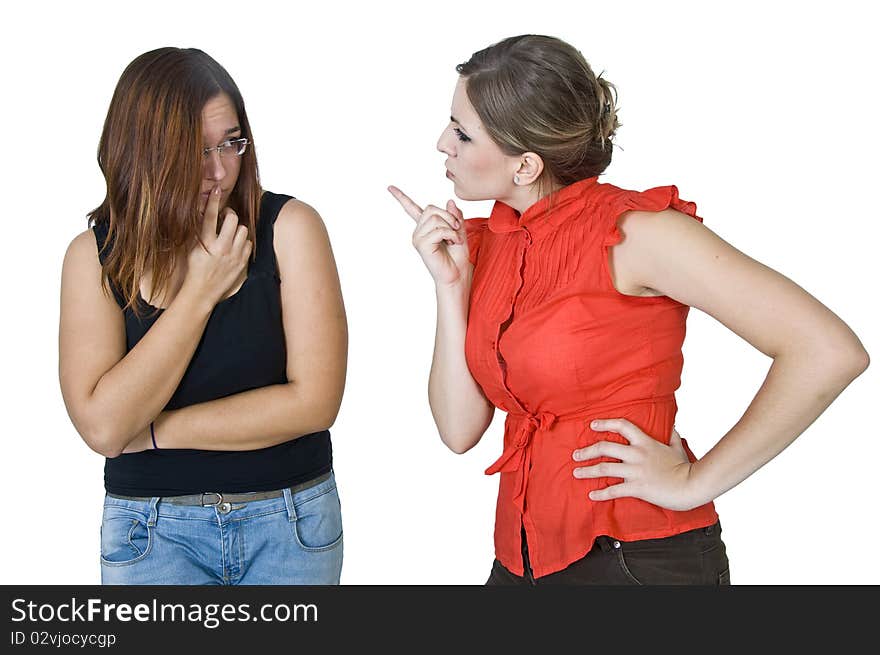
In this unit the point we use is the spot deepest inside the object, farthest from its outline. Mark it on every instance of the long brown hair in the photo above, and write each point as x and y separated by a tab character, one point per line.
538	94
151	157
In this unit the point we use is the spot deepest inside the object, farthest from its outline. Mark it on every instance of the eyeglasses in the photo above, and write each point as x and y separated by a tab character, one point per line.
234	147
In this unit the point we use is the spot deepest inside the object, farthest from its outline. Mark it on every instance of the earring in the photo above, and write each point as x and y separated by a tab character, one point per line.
516	179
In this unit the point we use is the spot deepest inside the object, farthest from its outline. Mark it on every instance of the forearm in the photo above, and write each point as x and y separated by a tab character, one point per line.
458	405
249	420
798	388
135	390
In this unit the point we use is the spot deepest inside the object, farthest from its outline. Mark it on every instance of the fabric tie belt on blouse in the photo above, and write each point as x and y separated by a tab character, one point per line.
517	457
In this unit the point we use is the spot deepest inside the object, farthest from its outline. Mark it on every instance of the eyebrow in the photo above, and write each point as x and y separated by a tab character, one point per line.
455	120
231	131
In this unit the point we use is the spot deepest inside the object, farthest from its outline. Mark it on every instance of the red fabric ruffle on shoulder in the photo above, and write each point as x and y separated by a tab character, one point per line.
651	200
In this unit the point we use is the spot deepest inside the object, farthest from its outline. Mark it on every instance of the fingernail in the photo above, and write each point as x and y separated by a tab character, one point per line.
457	225
594	424
216	191
576	456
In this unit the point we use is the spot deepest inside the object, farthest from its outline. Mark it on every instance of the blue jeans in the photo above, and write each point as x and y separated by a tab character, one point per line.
295	539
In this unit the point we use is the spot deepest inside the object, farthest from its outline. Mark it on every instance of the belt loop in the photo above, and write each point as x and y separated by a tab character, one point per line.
288	502
154	512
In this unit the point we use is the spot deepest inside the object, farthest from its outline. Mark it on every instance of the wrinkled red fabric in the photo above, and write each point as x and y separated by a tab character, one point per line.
555	345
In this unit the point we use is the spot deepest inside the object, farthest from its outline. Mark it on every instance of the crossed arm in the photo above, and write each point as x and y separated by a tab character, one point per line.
112	396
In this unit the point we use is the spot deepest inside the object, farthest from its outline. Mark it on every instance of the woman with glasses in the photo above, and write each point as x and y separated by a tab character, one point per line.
203	344
566	308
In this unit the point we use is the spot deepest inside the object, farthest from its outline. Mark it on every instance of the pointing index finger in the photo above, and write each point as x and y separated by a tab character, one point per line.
411	208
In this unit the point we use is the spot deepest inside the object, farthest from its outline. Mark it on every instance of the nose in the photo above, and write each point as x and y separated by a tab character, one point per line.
214	169
445	143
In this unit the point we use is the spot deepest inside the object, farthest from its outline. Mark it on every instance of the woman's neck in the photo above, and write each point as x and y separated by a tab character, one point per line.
525	196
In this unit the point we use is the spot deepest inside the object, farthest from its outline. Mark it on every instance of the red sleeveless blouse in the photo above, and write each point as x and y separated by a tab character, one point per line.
555	345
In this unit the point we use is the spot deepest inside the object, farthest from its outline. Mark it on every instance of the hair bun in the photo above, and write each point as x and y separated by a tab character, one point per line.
607	124
538	93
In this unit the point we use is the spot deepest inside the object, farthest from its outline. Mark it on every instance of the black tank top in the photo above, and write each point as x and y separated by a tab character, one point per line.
241	348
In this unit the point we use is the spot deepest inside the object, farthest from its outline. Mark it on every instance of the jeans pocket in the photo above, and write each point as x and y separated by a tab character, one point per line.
318	524
673	560
621	562
125	537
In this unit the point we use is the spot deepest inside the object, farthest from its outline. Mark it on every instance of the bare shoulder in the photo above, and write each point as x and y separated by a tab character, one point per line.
299	225
655	236
82	254
82	277
647	226
302	245
648	239
82	244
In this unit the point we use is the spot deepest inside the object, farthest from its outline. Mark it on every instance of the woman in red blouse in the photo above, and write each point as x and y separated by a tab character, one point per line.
566	308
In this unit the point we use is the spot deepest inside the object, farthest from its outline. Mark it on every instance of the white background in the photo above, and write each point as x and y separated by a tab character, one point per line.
764	114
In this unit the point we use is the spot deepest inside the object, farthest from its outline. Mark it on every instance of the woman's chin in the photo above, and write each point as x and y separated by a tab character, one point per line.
464	194
459	192
470	197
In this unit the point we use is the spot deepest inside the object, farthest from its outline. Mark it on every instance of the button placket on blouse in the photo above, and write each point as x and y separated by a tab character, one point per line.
517	456
496	345
586	209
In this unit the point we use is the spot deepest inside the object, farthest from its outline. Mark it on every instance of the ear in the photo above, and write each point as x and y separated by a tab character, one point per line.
529	167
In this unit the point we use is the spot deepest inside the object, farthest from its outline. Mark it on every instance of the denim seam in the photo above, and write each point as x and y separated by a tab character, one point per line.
307	549
242	554
143	515
239	519
319	549
210	519
106	562
622	562
223	570
301	501
134	524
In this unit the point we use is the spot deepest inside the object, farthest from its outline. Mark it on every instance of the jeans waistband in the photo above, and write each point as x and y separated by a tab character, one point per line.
213	498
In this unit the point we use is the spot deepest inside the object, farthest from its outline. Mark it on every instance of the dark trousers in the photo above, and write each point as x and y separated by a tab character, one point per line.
696	557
